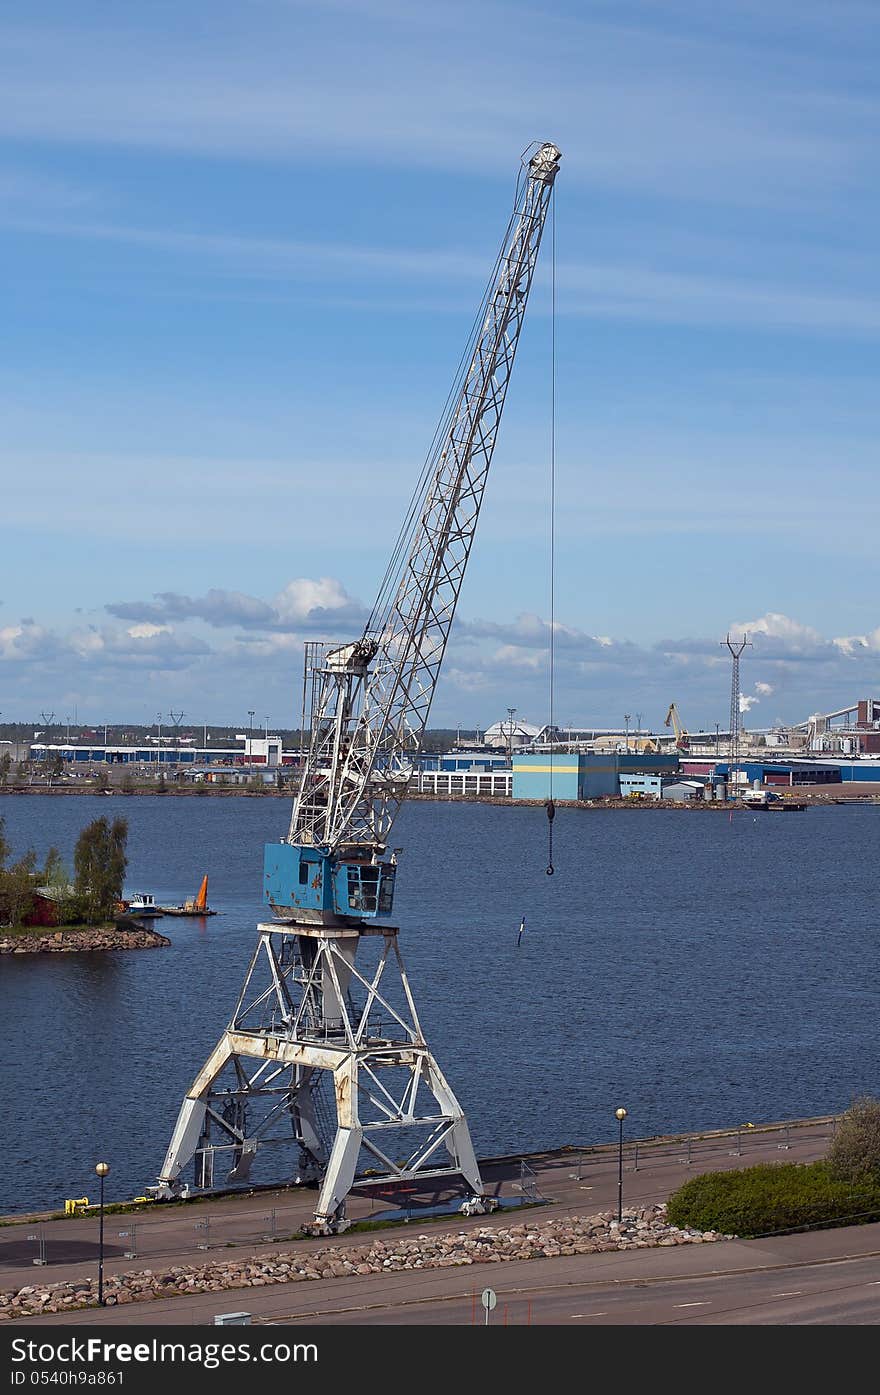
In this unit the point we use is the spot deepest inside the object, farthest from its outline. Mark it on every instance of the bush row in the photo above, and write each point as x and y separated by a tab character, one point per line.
774	1197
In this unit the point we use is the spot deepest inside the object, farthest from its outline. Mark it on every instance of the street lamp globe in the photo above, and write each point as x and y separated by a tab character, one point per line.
620	1113
102	1169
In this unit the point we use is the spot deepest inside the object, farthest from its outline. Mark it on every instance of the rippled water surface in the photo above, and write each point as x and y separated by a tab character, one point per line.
702	971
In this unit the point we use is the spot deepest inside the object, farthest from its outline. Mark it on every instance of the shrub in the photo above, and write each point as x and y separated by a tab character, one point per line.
773	1197
854	1155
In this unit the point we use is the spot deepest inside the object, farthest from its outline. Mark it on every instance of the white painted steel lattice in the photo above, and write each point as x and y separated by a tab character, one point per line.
307	1010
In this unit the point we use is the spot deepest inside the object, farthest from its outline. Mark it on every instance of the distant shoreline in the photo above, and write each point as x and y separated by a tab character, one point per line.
237	792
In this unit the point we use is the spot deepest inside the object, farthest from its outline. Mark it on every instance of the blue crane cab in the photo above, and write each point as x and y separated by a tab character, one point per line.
308	879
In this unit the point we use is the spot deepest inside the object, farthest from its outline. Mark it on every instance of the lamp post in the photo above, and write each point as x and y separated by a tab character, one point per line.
620	1115
251	742
626	724
102	1169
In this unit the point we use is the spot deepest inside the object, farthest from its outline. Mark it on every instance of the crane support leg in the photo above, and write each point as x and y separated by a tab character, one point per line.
458	1144
268	1079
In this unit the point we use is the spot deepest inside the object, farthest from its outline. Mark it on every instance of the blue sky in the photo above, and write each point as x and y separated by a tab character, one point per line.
240	249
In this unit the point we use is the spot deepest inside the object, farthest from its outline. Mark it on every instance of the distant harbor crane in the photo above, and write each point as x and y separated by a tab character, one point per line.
682	737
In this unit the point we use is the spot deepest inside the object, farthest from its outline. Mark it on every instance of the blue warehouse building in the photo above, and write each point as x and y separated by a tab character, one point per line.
787	773
583	775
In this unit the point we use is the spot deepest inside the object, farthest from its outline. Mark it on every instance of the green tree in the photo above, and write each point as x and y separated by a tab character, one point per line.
99	864
54	873
854	1155
127	784
102	780
17	884
5	766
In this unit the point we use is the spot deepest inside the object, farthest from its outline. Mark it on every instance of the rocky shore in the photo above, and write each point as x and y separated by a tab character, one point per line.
642	1228
77	939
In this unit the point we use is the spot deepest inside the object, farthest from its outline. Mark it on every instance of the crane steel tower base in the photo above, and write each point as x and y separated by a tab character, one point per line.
308	1011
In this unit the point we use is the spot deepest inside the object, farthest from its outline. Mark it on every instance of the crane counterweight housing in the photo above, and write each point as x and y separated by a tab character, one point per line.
326	997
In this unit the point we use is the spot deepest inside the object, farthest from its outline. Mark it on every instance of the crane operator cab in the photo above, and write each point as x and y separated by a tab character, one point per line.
315	885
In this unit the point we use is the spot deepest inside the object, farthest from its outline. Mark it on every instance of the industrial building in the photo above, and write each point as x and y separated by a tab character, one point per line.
513	734
770	773
266	751
458	759
474	783
583	775
641	785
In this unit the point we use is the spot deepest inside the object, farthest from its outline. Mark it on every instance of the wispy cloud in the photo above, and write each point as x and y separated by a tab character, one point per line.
638	102
303	604
609	290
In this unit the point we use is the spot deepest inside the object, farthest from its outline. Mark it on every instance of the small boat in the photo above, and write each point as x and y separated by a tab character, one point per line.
766	799
759	799
143	904
197	906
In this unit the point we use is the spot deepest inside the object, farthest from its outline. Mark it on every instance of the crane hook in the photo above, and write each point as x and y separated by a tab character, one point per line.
551	814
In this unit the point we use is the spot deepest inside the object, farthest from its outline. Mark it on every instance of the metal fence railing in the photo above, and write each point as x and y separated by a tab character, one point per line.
693	1150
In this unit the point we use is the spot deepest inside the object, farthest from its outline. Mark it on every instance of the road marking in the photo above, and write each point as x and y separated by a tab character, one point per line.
704	1304
794	1293
584	1315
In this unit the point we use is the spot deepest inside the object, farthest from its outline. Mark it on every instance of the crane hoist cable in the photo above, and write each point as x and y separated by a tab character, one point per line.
551	807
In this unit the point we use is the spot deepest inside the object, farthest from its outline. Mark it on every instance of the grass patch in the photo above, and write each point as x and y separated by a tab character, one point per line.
39	932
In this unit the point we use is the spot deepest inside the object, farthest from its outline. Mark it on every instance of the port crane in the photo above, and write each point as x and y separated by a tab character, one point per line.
682	738
326	997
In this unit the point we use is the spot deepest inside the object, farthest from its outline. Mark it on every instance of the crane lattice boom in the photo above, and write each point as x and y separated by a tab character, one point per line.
372	697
